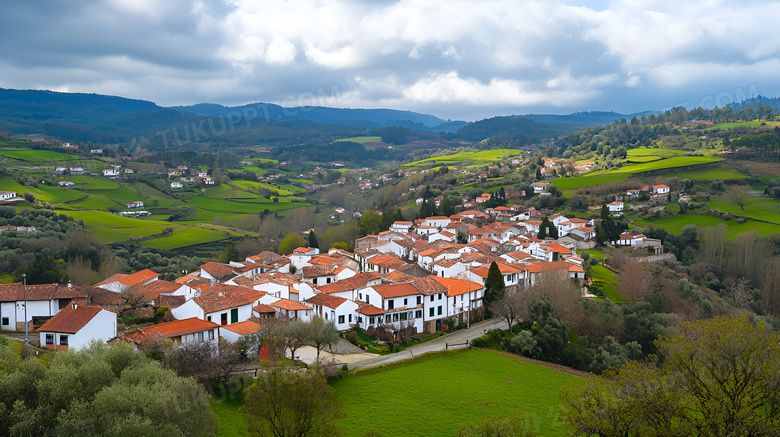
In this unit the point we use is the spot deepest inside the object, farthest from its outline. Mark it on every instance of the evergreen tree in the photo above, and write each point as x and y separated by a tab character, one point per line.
229	254
494	287
542	230
313	240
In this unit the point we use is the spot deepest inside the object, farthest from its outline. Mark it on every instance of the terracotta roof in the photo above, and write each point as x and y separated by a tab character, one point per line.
292	305
223	297
168	329
170	301
153	290
247	327
555	247
457	287
518	255
16	292
217	270
554	265
185	279
139	277
319	270
116	277
369	310
70	320
428	286
395	290
397	276
351	283
263	309
302	250
326	300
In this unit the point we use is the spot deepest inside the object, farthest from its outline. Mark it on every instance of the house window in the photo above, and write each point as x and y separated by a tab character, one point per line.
211	334
234	315
49	338
360	296
418	314
359	319
419	300
63	340
350	318
405	302
200	337
208	318
341	319
439	309
223	319
431	311
370	320
388	318
327	281
395	317
432	297
390	304
461	298
403	316
368	299
5	321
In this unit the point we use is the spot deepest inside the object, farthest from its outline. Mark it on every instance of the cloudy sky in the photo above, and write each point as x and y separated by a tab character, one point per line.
454	59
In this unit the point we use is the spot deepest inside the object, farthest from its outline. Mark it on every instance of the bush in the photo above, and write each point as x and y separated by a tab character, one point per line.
352	337
524	344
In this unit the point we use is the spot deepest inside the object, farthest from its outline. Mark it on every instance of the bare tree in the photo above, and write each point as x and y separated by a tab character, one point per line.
556	287
738	195
741	291
634	279
406	330
133	298
511	307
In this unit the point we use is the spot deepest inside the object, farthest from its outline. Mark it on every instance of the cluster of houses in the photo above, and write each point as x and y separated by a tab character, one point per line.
7	197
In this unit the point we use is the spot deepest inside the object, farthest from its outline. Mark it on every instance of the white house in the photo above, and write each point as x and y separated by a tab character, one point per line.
540	186
136	204
187	331
437	221
75	326
176	185
615	206
660	189
401	227
66	184
7	195
339	310
400	303
223	304
111	172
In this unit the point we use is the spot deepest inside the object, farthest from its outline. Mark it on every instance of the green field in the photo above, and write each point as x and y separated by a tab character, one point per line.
362	140
606	280
432	395
676	223
677	161
463	158
42	192
38	155
90	182
760	208
587	181
710	174
185	237
108	227
644	151
742	124
641	159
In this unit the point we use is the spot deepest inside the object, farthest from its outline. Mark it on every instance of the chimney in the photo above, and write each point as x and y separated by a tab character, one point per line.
75	305
70	284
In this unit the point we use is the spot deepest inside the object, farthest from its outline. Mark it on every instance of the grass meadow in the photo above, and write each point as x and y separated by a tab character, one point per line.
362	140
465	158
677	161
676	223
434	394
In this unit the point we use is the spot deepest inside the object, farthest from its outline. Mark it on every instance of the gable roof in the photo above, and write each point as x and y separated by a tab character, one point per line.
70	320
395	290
369	310
326	300
153	290
168	329
351	283
457	287
217	270
246	327
223	297
292	305
138	277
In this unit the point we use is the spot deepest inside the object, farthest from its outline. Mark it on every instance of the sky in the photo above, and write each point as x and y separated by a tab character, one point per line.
463	60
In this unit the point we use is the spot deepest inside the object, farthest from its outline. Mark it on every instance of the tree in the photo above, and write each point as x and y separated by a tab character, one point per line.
296	334
313	240
509	307
29	197
132	297
229	254
291	241
716	378
634	279
101	390
370	223
494	287
738	195
406	330
322	333
44	270
291	403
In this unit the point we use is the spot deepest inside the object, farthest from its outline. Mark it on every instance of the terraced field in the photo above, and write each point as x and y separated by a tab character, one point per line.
464	158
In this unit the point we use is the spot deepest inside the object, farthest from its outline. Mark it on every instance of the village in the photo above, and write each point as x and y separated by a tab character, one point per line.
416	276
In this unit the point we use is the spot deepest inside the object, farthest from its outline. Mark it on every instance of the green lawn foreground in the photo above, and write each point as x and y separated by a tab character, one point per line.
432	395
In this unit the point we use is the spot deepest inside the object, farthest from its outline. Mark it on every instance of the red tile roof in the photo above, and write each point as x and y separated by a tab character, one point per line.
222	297
457	287
326	300
175	328
292	305
352	283
395	290
263	309
153	290
116	277
369	310
70	320
139	277
247	327
217	270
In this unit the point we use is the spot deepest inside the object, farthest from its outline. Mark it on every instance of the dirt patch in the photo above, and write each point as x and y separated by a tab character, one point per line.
509	381
763	168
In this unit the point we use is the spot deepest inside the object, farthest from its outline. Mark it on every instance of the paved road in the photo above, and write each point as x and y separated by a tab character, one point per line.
435	345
